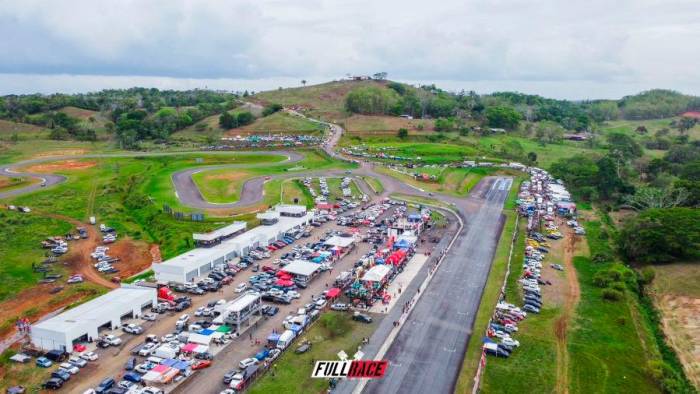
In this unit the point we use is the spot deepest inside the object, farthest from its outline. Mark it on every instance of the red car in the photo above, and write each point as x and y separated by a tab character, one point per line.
267	268
271	248
201	364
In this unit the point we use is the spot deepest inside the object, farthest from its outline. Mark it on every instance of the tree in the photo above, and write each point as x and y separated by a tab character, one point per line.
403	133
271	109
245	118
303	82
380	76
228	121
661	236
444	124
651	197
532	157
621	144
503	117
686	123
371	100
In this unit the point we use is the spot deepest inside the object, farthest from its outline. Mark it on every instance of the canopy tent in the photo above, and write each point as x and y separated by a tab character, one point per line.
206	331
189	348
284	283
342	242
333	292
377	273
223	329
200	339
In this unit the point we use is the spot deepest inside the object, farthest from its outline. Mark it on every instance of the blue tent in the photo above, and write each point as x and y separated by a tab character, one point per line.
181	365
169	362
206	331
296	328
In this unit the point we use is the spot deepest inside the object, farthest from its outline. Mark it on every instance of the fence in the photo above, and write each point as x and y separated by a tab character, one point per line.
482	361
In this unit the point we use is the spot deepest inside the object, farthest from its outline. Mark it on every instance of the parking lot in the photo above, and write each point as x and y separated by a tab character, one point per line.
113	359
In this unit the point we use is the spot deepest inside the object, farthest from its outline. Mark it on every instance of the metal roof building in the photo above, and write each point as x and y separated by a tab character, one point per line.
82	323
200	261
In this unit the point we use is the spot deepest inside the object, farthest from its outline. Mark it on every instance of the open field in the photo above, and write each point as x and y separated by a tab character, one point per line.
224	185
374	184
454	181
293	190
10	183
22	130
653	125
386	125
279	123
292	372
677	297
326	100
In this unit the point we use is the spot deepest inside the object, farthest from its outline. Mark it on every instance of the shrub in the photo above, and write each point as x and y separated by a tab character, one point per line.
601	279
612	295
647	275
619	286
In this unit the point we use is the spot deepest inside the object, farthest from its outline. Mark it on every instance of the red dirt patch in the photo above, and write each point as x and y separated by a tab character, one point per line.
61	152
155	254
65	165
135	256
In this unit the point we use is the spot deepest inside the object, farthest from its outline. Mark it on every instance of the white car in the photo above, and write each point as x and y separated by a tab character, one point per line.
72	369
112	340
133	329
168	338
245	363
241	287
293	294
148	316
77	361
148	349
510	342
199	311
89	356
320	303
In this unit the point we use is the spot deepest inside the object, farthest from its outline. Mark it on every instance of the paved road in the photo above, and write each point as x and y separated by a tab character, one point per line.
427	354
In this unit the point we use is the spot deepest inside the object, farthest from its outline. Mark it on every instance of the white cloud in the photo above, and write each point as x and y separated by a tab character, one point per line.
538	44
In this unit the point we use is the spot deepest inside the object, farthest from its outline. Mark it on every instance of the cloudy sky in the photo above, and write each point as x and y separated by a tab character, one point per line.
569	49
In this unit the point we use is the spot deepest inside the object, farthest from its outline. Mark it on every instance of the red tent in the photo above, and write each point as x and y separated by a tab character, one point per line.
333	292
284	283
283	275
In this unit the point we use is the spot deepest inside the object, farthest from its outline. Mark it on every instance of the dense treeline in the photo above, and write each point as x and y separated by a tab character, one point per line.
507	109
661	236
136	114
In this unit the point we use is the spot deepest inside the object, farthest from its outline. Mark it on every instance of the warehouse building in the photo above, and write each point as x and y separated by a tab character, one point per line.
82	323
200	261
218	235
239	312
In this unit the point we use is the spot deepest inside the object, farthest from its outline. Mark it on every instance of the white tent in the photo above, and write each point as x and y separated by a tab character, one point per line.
341	242
377	273
200	339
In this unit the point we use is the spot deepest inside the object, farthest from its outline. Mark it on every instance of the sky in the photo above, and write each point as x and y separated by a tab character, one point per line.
564	49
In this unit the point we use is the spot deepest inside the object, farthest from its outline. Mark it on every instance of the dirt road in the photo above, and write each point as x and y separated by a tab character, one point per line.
573	294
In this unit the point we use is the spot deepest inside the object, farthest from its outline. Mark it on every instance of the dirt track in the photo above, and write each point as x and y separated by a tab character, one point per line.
561	325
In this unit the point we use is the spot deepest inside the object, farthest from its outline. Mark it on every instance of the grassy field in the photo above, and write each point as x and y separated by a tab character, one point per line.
326	100
609	346
10	183
23	131
454	181
224	185
20	238
294	189
652	126
279	123
365	125
374	184
292	372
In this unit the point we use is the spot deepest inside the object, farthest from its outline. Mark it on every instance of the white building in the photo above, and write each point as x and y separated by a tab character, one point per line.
239	311
200	261
83	322
219	234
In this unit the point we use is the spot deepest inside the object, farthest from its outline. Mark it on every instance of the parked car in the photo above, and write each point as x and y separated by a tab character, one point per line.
61	374
339	307
148	316
201	364
245	363
105	385
362	317
531	308
43	362
241	287
53	384
133	329
78	362
89	356
303	348
68	367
